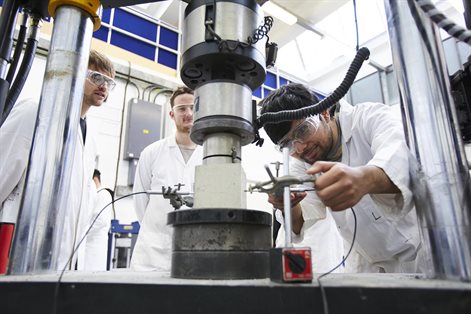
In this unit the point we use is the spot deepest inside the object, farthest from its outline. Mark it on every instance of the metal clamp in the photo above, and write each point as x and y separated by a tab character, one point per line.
176	198
89	6
278	183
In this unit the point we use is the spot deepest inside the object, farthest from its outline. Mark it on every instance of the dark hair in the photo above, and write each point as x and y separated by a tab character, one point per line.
287	97
97	174
179	91
101	62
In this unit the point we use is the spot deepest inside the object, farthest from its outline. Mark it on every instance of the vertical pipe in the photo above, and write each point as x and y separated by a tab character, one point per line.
287	200
439	176
37	241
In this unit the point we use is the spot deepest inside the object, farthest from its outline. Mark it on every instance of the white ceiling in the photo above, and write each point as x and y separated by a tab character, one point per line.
320	61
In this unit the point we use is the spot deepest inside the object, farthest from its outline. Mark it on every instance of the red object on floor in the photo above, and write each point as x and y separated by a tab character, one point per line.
6	236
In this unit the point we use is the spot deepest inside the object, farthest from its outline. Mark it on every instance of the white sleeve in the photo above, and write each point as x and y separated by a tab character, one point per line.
15	142
142	183
102	207
391	154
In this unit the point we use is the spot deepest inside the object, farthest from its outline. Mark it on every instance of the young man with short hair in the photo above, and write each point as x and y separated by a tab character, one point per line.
362	158
165	163
16	136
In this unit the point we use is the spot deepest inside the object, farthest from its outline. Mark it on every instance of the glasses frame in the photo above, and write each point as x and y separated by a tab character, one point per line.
289	141
108	81
176	107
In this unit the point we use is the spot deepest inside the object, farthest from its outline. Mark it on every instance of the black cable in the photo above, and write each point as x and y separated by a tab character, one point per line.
56	289
324	296
453	29
23	72
111	192
224	44
18	48
20	79
212	32
357	47
261	31
7	27
332	99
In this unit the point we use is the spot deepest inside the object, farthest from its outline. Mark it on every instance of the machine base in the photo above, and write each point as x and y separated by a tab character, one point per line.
220	243
150	292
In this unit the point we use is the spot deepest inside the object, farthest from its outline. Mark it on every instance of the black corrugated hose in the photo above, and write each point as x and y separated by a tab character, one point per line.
332	99
18	48
445	23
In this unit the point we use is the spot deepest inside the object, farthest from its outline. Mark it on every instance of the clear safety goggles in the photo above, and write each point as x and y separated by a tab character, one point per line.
100	79
182	108
300	134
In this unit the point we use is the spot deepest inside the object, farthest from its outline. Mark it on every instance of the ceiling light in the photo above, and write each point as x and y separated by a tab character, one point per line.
272	9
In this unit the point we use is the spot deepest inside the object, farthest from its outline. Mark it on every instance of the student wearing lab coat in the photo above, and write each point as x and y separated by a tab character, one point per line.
96	251
362	158
165	163
16	135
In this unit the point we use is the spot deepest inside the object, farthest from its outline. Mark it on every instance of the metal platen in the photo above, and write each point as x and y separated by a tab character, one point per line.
223	60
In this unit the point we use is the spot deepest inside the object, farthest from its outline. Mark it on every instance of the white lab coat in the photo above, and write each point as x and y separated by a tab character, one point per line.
96	252
16	139
387	237
160	164
77	219
16	135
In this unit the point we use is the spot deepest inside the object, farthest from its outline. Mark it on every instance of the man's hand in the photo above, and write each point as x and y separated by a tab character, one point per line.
297	219
277	202
341	187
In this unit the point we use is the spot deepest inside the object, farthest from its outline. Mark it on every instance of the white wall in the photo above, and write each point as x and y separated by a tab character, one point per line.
33	85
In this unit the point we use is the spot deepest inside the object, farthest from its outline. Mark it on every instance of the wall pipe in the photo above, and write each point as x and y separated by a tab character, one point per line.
439	175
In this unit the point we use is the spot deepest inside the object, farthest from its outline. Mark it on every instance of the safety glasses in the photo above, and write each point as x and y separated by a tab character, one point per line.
299	134
100	79
182	108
